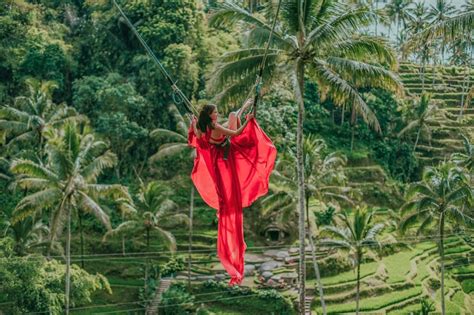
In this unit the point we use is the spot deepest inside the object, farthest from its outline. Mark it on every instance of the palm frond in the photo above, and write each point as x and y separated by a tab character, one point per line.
176	219
362	74
363	47
33	183
35	202
342	91
169	150
13	127
13	114
408	221
128	228
229	72
229	14
374	231
167	237
30	168
335	231
339	27
412	125
259	36
91	206
168	135
165	207
340	244
93	169
114	191
452	27
419	188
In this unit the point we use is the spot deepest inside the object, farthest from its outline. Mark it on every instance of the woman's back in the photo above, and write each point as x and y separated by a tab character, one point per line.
217	136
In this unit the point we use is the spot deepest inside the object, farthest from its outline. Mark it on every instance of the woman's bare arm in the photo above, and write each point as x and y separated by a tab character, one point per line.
197	132
229	132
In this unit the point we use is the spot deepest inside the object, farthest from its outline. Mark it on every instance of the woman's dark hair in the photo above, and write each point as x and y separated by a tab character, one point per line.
204	120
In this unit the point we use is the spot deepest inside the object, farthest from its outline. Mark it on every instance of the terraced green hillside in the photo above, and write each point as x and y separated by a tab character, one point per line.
448	86
397	283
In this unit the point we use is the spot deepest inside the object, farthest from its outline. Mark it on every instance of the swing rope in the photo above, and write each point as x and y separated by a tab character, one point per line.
259	80
178	95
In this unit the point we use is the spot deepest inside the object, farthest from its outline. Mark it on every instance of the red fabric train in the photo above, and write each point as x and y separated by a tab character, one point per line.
232	184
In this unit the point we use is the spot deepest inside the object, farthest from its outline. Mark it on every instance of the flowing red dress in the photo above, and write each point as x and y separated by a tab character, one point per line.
232	184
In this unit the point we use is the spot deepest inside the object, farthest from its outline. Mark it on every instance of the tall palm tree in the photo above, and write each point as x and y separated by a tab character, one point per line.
325	181
462	52
397	11
67	182
357	234
417	17
317	39
448	28
154	212
27	235
465	159
468	40
439	13
32	115
417	22
451	27
424	114
443	195
176	144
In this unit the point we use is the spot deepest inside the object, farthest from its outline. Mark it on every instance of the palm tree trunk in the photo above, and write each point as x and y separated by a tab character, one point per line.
191	206
342	115
315	262
417	138
353	122
422	75
398	28
68	259
352	137
299	92
52	236
441	255
146	260
358	283
443	44
466	69
82	238
41	147
123	236
466	90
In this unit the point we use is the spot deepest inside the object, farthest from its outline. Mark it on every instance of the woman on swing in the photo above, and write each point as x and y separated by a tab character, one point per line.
231	170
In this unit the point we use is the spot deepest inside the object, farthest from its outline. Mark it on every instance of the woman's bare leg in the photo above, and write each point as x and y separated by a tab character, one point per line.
234	121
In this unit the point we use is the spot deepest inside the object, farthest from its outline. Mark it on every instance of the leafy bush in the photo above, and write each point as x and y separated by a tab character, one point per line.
397	157
468	286
434	284
176	301
255	301
174	265
36	285
325	217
